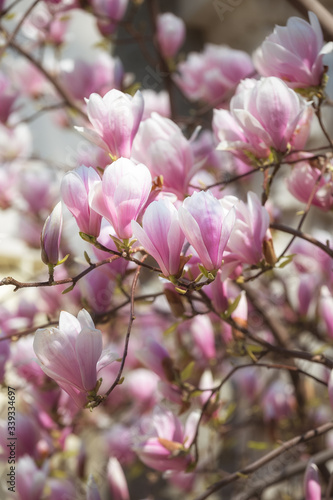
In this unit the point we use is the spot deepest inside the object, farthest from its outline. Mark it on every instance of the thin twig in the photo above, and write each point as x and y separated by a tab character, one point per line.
257	464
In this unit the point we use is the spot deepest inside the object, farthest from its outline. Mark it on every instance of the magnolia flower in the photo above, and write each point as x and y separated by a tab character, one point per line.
75	188
264	115
207	226
30	480
163	443
303	179
50	237
209	75
161	146
294	53
121	194
72	354
251	228
161	235
170	33
115	119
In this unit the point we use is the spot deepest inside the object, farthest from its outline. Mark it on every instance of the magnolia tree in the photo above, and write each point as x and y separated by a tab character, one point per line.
176	338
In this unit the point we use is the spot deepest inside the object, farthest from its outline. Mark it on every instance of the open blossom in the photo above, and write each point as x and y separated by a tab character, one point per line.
51	234
251	228
263	114
210	75
115	119
170	33
294	53
163	443
121	194
72	354
75	188
161	235
207	226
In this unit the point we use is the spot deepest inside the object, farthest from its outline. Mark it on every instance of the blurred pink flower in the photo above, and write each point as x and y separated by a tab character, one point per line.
170	33
303	179
311	483
209	76
164	444
117	480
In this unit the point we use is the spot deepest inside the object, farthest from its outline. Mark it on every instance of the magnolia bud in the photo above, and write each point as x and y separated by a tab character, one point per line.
50	237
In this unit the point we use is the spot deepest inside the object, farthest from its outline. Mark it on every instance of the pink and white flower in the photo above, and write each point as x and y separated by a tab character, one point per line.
294	53
115	119
207	225
121	194
161	235
72	354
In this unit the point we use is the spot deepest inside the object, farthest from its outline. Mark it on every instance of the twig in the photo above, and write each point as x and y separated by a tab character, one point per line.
257	464
128	333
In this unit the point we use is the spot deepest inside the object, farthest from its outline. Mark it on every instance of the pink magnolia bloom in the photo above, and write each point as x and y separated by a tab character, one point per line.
250	230
161	146
82	78
75	188
51	234
170	33
110	11
265	114
311	483
294	53
158	102
157	359
72	354
121	194
161	235
209	76
30	480
303	179
15	142
164	443
117	480
207	226
202	332
115	119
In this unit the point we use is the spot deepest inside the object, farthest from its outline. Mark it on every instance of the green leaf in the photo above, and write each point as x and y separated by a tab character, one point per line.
69	289
86	256
232	307
287	260
187	372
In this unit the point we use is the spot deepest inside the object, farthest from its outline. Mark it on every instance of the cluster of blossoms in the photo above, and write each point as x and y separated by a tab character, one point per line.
146	345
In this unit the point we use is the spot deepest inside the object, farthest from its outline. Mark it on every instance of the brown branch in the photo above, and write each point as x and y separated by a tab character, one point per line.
17	28
128	333
303	236
18	284
257	464
59	88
